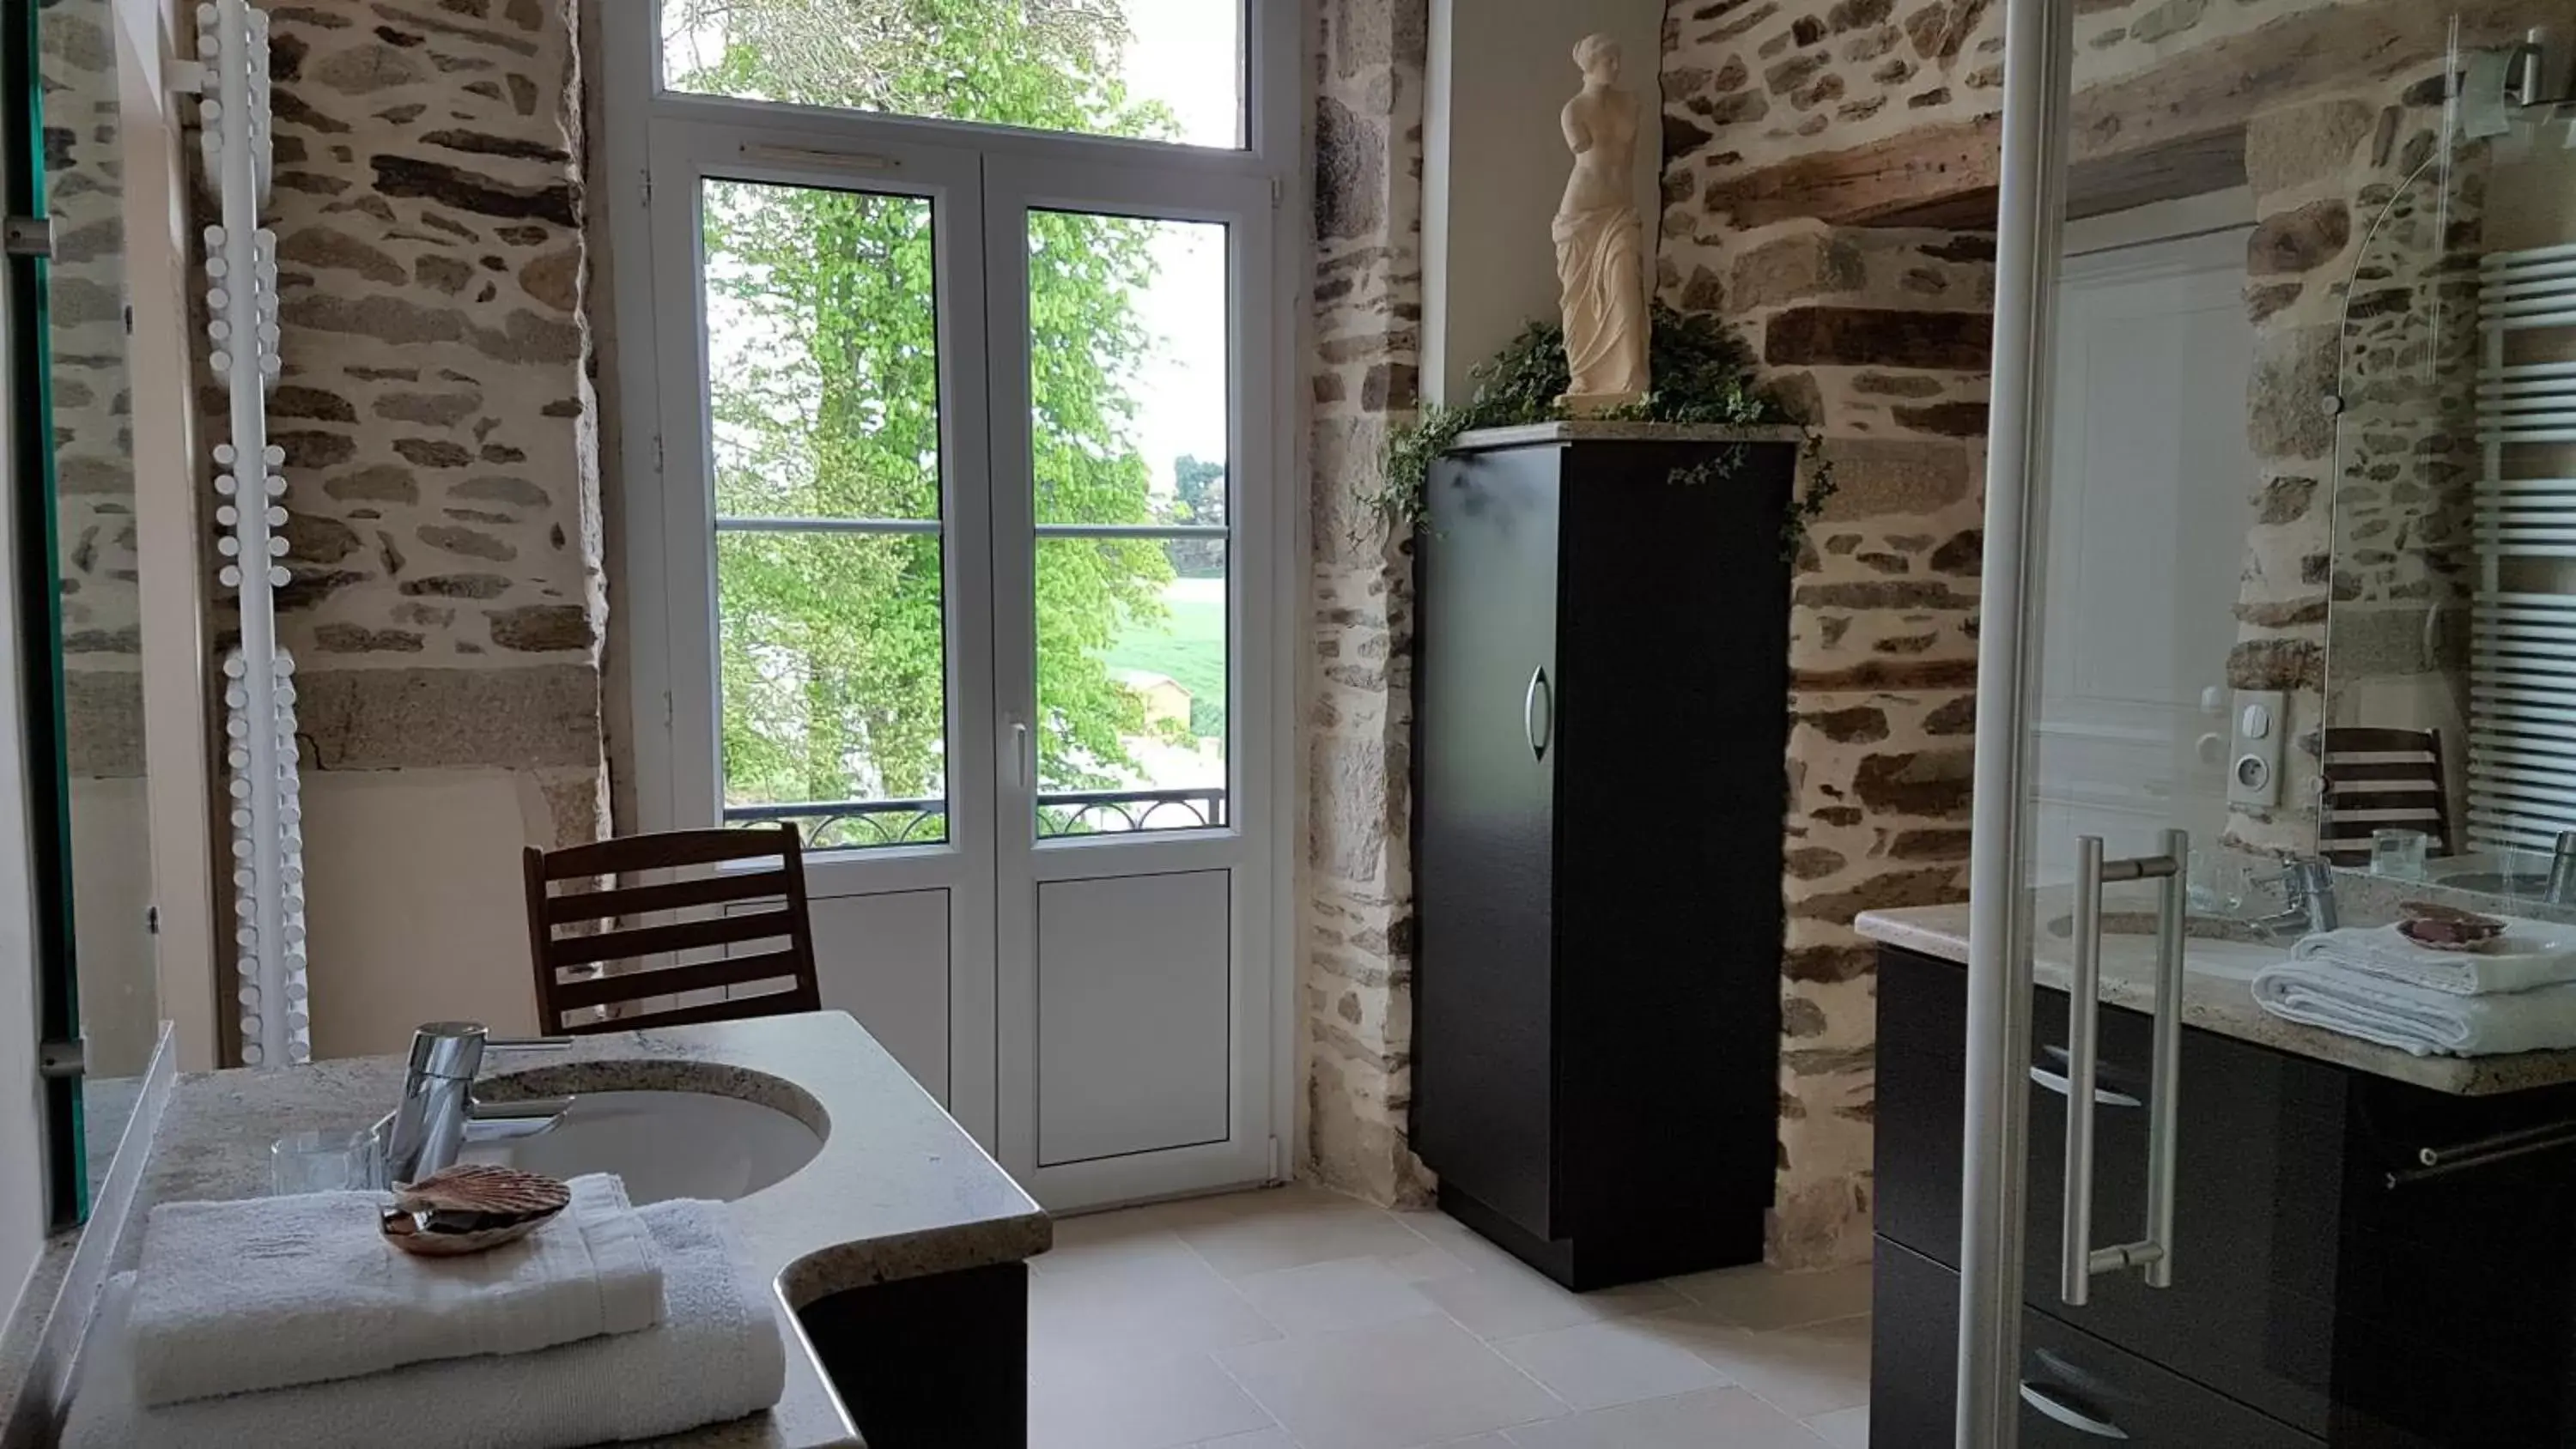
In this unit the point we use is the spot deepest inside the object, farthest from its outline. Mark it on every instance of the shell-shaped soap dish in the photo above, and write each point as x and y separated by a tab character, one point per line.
470	1208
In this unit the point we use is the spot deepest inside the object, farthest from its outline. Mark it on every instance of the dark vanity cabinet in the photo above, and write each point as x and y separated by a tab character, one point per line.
2312	1303
1600	695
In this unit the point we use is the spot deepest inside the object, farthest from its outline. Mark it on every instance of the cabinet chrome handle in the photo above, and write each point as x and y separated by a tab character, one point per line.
2056	1082
2069	1415
2078	1260
1537	724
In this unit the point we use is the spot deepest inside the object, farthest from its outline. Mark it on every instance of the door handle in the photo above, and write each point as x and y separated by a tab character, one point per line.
2069	1415
1538	726
2106	1096
2080	1261
1023	758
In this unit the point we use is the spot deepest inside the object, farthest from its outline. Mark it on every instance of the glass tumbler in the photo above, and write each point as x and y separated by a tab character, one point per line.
2398	853
336	1159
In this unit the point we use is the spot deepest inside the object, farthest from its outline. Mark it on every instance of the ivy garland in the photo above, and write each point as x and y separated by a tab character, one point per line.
1703	375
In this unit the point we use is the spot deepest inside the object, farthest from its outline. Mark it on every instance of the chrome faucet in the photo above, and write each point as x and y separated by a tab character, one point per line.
438	1114
2307	901
2561	890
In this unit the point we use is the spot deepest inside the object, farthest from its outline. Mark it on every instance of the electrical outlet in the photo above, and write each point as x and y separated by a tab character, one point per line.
2257	727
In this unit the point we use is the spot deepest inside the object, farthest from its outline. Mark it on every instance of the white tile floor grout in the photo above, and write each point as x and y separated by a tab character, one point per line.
1296	1319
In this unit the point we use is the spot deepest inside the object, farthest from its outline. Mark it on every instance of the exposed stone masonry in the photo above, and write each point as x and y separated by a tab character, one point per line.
92	409
444	530
1355	979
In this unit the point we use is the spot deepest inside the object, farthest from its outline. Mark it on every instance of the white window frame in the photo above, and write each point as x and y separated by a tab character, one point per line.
655	618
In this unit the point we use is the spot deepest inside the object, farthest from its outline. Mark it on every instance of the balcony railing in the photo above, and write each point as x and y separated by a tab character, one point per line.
878	824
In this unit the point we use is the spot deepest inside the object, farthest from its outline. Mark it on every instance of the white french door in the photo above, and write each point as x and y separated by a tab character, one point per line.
962	556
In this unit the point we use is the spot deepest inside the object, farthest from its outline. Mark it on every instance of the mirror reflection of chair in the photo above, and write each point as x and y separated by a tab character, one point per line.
675	936
2382	779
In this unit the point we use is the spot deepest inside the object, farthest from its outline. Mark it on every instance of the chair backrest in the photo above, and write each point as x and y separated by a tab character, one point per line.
639	939
2382	779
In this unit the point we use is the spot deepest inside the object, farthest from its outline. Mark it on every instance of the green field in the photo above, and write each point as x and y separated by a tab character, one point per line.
1189	646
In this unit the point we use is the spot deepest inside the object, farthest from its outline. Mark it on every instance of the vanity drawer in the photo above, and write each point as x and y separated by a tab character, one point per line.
2080	1391
2251	1312
2257	1213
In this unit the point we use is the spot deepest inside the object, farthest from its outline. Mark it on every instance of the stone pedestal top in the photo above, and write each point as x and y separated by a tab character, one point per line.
1603	430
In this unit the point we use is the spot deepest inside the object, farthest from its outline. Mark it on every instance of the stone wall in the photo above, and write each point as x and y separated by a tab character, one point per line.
91	407
443	500
1354	983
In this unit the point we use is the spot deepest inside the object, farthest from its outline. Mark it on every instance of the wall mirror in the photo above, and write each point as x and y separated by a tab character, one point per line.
93	854
2448	751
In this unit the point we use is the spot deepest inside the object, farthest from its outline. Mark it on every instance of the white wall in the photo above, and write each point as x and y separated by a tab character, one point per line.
175	706
1495	163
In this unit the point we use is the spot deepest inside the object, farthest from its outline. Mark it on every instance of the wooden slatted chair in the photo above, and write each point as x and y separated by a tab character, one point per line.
2382	779
624	938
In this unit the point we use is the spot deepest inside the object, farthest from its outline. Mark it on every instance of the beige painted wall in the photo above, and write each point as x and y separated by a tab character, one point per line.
167	527
1495	163
419	918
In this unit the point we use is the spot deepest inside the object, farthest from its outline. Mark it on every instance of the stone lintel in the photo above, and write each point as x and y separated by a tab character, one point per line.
393	719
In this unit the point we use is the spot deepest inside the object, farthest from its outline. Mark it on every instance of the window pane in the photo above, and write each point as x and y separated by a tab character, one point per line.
1165	70
822	350
1127	368
834	683
1131	684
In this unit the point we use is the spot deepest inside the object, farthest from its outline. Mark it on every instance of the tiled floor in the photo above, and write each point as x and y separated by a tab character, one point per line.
1294	1319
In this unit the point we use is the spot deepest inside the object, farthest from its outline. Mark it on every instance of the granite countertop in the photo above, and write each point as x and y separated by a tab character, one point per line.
2223	1005
898	1190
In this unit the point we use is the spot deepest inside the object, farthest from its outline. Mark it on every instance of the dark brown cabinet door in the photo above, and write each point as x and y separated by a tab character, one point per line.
1486	831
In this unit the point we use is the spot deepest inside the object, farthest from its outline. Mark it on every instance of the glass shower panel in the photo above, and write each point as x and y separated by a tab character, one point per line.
2297	567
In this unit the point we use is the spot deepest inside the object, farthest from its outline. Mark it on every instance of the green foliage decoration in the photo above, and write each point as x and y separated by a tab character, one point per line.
1703	375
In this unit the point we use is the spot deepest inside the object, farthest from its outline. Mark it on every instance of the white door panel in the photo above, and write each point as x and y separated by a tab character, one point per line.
1132	1015
2148	511
886	960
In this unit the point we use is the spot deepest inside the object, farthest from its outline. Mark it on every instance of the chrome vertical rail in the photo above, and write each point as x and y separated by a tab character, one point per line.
2083	1068
2038	50
2172	905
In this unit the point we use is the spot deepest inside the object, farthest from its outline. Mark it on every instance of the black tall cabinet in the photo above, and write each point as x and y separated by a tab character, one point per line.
1601	715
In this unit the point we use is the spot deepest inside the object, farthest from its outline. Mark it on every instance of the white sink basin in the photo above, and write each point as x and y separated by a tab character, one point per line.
666	1144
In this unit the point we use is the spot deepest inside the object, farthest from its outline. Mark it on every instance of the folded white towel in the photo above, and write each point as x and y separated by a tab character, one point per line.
2417	1019
232	1297
716	1355
2531	953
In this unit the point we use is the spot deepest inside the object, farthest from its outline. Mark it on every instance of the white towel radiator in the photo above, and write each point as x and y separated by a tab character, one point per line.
2522	695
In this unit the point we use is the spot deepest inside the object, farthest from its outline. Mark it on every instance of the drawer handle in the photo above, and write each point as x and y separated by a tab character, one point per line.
2056	1082
2069	1415
1539	726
